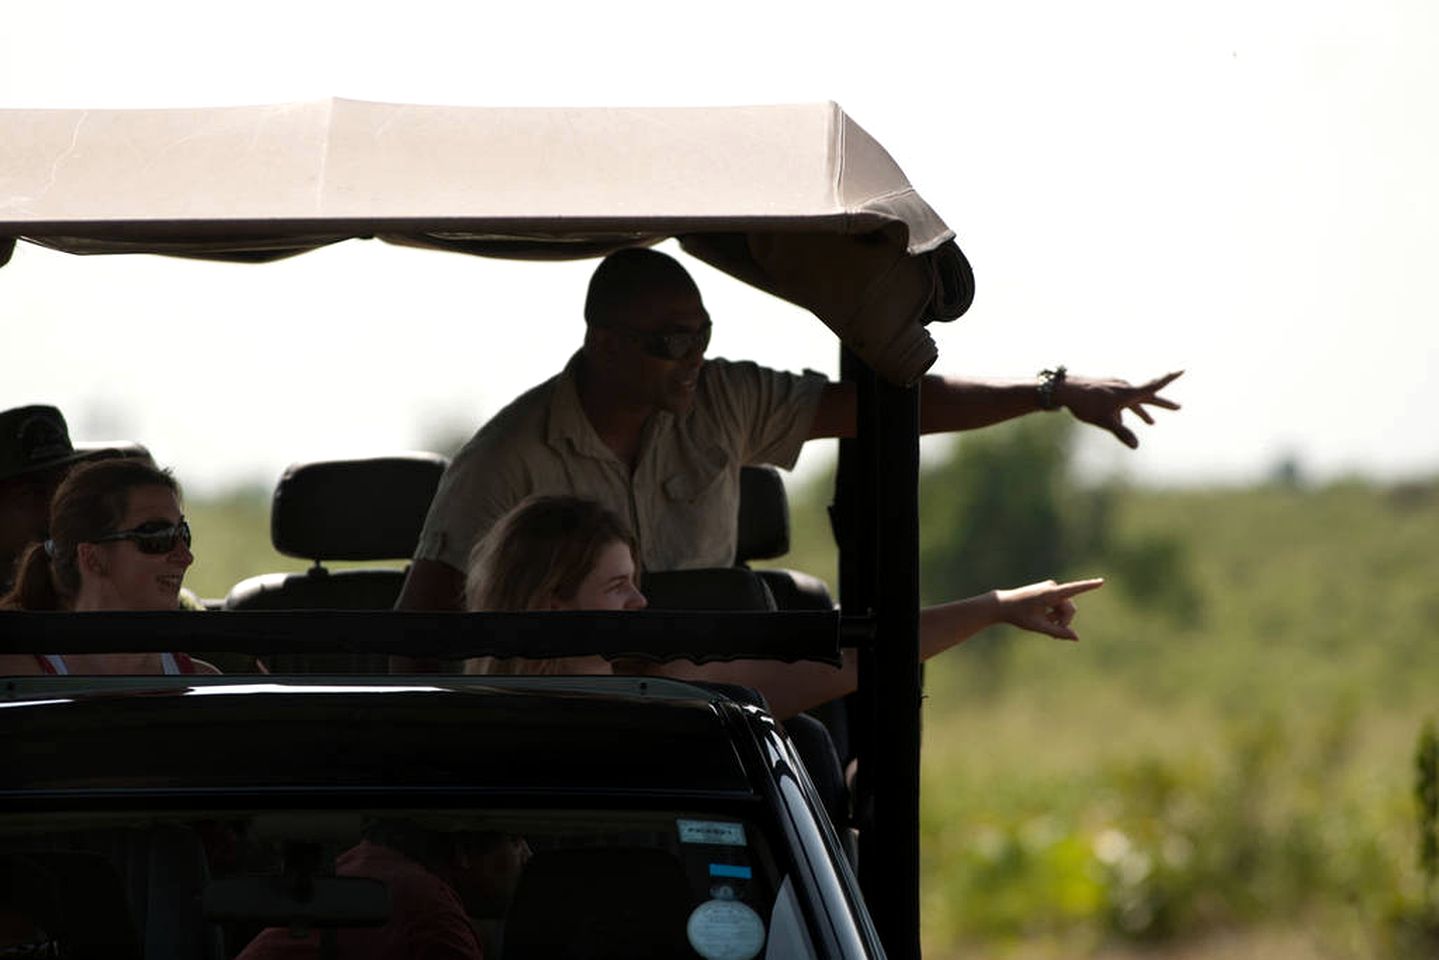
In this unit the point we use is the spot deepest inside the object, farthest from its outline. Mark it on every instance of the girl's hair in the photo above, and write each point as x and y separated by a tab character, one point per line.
542	550
89	503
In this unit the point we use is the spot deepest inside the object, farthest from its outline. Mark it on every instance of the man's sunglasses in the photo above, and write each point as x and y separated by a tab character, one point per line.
674	345
156	536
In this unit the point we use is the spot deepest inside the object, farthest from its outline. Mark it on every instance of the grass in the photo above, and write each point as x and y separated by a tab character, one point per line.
1223	766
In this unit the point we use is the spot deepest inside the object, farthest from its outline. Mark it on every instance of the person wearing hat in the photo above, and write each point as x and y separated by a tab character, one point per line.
35	455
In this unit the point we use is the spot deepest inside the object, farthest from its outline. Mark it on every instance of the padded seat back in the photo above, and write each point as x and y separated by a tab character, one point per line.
366	510
796	590
318	589
126	893
707	588
370	509
763	532
764	535
76	898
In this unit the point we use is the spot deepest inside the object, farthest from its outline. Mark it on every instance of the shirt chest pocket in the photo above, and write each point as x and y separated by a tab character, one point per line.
699	510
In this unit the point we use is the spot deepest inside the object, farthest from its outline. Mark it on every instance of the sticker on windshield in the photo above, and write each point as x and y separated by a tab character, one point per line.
734	871
718	832
725	930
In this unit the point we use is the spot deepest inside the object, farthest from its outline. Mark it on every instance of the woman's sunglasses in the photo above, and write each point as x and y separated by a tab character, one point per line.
674	345
155	536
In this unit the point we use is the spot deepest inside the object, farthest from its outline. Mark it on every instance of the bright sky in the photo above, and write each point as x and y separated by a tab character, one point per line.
1246	190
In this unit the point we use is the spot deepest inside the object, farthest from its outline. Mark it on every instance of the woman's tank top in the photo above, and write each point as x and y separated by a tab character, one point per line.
174	664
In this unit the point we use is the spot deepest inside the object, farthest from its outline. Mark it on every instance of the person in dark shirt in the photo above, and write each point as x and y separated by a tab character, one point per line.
437	881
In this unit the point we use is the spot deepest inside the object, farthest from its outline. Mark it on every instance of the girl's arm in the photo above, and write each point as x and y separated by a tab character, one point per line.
791	688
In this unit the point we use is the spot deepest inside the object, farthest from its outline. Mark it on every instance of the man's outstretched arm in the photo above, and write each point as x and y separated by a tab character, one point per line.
949	404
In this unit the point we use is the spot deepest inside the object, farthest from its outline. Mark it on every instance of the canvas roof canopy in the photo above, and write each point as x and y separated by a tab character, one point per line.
795	199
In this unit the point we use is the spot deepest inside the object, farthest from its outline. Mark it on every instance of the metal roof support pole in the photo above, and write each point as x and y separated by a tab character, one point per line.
877	502
855	520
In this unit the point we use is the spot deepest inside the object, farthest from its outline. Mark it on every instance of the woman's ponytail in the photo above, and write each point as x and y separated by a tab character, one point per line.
34	587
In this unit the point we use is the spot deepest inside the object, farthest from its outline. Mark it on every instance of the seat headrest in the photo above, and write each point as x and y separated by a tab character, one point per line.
369	509
763	515
709	588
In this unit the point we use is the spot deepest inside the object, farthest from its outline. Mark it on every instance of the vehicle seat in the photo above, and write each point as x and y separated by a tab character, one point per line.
764	535
154	877
599	903
707	588
75	897
365	510
165	869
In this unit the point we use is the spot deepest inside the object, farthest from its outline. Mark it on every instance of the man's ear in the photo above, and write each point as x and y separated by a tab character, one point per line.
90	558
599	341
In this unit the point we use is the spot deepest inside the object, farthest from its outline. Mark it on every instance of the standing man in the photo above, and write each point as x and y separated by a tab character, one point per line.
641	422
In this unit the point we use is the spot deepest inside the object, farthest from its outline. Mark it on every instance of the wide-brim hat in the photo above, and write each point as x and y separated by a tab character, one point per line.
36	438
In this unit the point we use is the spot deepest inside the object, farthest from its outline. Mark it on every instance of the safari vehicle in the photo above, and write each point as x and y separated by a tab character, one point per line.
284	770
666	819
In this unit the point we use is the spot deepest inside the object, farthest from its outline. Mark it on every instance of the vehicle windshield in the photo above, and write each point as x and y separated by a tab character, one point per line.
254	883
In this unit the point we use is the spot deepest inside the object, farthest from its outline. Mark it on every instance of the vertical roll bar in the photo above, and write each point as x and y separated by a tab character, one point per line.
877	526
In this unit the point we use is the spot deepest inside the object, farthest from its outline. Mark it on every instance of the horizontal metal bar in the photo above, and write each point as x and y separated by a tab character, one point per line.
660	635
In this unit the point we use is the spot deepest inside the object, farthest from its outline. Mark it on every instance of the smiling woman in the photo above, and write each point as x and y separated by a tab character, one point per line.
118	541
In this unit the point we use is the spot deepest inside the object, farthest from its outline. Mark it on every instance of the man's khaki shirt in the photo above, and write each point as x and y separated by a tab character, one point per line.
681	502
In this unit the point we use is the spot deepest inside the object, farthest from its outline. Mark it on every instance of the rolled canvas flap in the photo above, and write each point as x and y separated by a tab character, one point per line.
865	287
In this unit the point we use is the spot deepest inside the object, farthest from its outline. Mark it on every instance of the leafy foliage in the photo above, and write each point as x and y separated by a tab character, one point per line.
994	514
1426	797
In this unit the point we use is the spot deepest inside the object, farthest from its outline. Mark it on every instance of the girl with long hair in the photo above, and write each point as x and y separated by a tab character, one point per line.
569	553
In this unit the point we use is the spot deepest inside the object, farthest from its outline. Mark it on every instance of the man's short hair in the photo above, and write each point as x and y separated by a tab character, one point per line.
626	275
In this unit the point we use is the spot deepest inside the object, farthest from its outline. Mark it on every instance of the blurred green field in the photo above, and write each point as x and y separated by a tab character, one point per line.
1224	766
